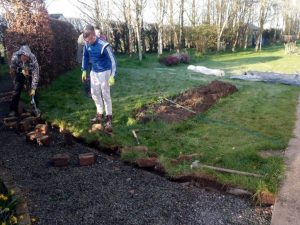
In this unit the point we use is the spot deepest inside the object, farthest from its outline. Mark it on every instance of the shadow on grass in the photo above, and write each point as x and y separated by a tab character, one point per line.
252	60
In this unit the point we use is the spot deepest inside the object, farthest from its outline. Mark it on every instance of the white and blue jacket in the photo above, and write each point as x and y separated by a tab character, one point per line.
101	56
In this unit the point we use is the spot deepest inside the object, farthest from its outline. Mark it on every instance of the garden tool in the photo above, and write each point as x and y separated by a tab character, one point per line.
135	136
37	112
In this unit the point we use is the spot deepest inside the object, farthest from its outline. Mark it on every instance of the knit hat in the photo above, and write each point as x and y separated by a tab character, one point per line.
25	50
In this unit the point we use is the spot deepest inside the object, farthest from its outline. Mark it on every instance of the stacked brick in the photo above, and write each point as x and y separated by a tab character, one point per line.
35	131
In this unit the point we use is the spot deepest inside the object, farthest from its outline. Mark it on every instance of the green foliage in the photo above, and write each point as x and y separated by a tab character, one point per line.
64	46
29	24
54	43
231	134
206	38
8	204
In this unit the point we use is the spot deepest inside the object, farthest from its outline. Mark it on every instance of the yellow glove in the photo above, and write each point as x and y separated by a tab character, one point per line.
25	72
111	81
83	76
32	92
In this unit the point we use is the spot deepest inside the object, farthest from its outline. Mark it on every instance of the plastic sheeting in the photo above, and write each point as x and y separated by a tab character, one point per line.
270	77
206	71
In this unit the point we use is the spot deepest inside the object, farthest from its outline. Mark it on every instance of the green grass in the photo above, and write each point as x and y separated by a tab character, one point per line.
258	117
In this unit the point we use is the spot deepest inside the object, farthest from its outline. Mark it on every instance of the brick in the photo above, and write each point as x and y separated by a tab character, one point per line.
149	162
41	128
61	159
10	119
30	137
25	125
25	115
33	120
86	159
43	140
12	124
33	136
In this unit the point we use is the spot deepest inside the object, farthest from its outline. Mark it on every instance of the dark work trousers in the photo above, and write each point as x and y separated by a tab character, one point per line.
19	82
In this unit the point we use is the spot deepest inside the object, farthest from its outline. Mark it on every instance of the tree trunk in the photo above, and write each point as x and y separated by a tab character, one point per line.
181	36
138	27
220	27
161	10
262	17
171	22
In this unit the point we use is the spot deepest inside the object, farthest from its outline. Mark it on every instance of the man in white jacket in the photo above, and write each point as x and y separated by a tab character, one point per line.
100	54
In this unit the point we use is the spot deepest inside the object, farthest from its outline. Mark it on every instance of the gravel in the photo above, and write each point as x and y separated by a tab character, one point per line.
110	192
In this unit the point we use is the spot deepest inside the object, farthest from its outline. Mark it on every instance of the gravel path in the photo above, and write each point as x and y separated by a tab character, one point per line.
109	192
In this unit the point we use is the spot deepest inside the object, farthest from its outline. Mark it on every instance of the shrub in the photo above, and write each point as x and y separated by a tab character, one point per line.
174	59
54	43
64	46
206	38
30	26
8	204
185	58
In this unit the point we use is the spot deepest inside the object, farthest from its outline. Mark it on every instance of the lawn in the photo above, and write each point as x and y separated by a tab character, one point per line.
231	134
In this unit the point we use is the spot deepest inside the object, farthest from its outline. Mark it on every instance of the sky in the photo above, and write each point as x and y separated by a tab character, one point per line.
64	7
67	8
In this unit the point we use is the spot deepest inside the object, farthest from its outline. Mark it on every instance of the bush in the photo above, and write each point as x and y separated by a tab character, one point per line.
171	60
54	43
8	204
64	46
30	26
185	58
206	38
174	59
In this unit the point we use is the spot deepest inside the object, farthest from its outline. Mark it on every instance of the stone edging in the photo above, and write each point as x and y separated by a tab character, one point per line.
22	211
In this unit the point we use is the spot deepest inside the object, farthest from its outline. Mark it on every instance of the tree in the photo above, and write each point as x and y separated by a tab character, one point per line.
181	22
222	10
139	6
264	6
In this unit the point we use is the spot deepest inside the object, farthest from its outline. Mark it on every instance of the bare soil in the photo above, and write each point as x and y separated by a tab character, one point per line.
198	100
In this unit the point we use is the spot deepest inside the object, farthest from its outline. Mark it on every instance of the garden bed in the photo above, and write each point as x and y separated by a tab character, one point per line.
188	104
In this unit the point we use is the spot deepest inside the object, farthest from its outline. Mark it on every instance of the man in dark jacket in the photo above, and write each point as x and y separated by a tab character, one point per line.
23	67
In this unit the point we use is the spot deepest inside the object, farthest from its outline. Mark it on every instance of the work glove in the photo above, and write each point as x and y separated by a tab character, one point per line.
32	92
83	76
25	72
111	80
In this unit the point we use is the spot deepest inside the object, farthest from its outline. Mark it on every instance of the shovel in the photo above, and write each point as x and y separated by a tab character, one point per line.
37	112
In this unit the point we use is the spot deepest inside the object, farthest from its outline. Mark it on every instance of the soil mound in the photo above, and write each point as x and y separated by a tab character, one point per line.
188	104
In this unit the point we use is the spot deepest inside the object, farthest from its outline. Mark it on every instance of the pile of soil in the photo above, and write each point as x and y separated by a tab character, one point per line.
198	100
